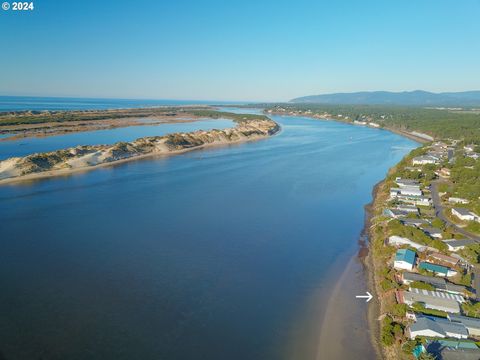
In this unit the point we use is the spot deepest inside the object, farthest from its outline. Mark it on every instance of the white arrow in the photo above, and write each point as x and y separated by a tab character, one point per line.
368	296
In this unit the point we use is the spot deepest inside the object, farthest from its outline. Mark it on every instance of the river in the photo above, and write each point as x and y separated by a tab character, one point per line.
213	254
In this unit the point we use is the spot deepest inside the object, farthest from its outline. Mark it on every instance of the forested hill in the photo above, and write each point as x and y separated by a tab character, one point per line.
410	98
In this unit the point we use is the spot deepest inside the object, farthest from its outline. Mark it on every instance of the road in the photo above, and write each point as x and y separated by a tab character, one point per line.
438	207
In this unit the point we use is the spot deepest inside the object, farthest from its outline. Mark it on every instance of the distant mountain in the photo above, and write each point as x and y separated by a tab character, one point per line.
414	98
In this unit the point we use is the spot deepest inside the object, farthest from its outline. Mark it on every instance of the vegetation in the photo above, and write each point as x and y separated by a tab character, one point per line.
435	122
471	309
422	285
390	331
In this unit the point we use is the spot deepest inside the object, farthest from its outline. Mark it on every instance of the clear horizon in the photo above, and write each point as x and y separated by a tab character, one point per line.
252	52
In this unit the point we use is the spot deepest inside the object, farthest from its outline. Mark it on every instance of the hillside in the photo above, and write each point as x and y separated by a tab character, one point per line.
410	98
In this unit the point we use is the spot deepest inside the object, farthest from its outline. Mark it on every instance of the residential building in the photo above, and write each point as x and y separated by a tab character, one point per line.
406	182
407	191
414	222
445	259
438	283
457	200
432	326
456	245
431	299
425	159
472	324
438	270
408	208
433	232
394	213
401	241
404	259
464	214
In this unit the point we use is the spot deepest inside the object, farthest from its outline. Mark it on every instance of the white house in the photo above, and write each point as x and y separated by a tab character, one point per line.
401	241
457	245
425	159
404	259
464	214
436	300
456	200
437	327
406	190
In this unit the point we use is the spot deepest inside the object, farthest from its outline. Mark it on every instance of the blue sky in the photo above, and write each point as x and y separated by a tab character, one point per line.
238	50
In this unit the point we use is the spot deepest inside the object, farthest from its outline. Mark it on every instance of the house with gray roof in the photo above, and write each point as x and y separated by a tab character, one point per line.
437	327
472	324
436	300
456	245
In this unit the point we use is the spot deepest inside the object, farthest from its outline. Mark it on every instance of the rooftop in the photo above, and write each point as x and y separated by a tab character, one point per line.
406	255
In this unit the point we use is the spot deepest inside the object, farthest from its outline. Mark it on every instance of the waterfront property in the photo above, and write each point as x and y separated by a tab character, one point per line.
456	200
414	222
438	283
408	208
394	213
405	191
415	200
425	159
432	326
406	182
404	259
472	324
431	299
445	259
401	241
438	270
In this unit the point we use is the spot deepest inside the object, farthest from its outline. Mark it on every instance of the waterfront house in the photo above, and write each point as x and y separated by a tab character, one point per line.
464	214
440	284
406	191
433	326
457	200
414	222
456	245
438	270
401	241
406	182
404	259
472	324
394	213
433	232
425	159
431	299
449	260
415	200
408	208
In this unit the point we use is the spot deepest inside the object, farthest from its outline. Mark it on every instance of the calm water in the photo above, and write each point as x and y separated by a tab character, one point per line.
17	103
208	255
22	147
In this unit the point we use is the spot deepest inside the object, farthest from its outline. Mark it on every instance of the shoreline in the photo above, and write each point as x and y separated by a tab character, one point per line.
71	171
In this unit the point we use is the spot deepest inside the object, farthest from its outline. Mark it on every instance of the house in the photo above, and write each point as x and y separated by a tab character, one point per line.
444	172
404	259
433	232
449	260
438	270
394	213
464	214
408	277
432	326
458	354
406	182
401	241
424	160
407	191
456	245
415	200
472	324
469	148
456	200
408	208
474	156
414	222
450	349
431	299
439	284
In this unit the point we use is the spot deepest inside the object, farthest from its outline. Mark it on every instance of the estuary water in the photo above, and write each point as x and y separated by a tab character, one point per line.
213	254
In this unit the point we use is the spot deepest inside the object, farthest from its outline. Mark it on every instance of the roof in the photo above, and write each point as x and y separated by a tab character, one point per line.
458	243
439	325
432	299
433	267
406	255
462	211
444	258
432	230
408	221
455	287
466	354
435	281
469	322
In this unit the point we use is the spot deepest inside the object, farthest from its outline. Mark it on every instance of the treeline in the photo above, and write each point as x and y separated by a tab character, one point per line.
440	123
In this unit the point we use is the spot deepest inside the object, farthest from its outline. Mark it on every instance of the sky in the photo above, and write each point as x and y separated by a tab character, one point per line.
249	50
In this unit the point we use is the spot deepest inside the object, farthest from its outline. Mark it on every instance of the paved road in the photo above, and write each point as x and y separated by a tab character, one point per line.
437	205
